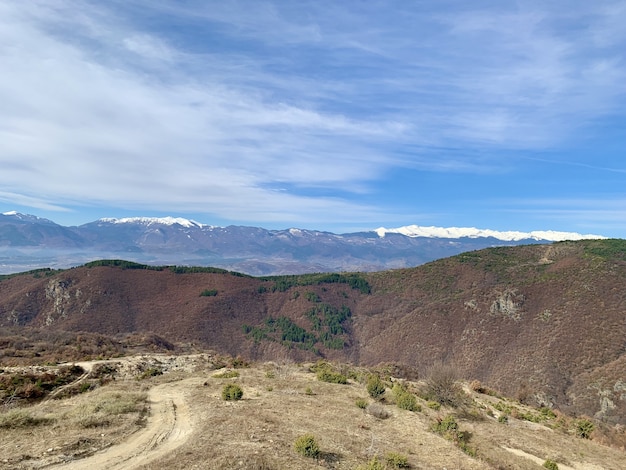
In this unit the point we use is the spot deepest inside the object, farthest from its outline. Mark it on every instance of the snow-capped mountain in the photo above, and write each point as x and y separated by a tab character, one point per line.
471	232
28	242
153	221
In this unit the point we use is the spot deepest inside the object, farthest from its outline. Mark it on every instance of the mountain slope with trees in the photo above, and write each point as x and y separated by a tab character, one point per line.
544	323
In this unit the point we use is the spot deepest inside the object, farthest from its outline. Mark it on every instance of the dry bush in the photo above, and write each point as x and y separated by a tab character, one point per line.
102	409
22	418
378	411
442	386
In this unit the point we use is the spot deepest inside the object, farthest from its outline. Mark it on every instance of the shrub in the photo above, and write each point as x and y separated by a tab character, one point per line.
550	465
151	372
407	401
208	293
373	464
503	419
21	418
361	403
477	386
309	391
227	374
378	411
584	428
396	460
433	405
232	392
307	446
449	429
326	375
375	386
443	386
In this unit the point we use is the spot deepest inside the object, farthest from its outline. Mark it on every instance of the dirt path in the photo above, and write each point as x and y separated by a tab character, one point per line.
168	427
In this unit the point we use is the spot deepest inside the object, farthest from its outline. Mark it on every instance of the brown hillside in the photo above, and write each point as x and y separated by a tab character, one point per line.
545	323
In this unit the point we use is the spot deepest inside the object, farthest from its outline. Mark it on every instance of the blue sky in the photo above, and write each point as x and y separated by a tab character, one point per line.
327	115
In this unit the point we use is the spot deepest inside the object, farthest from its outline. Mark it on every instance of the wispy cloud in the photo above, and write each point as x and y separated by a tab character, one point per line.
244	109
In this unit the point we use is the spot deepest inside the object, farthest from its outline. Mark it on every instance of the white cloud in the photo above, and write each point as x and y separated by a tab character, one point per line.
108	103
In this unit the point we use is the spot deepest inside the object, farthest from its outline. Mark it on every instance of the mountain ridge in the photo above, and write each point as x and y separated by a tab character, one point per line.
28	242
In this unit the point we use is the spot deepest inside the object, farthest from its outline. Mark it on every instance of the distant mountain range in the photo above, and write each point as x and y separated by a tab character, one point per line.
30	242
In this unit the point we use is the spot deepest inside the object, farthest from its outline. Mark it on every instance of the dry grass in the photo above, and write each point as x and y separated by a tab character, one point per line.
259	431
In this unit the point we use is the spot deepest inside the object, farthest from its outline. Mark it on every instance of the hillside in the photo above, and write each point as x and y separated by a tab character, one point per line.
544	323
170	412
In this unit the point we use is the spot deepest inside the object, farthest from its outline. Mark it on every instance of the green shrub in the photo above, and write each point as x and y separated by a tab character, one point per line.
407	401
232	392
375	386
326	375
584	428
208	293
449	429
433	405
307	446
151	372
503	419
550	465
361	403
309	391
396	460
227	374
373	464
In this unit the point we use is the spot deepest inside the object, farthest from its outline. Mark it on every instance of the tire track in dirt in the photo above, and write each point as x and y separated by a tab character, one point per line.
168	426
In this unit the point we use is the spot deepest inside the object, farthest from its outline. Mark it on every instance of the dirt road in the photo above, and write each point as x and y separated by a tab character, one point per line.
169	424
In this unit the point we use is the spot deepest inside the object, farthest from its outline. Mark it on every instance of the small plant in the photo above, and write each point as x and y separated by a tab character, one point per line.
378	411
407	401
307	446
208	293
327	375
503	419
449	429
584	428
476	386
308	391
373	464
550	465
433	405
396	460
232	392
312	297
404	399
227	374
375	386
361	403
151	372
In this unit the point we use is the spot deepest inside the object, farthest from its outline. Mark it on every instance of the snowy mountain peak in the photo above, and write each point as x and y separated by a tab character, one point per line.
26	217
471	232
154	220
